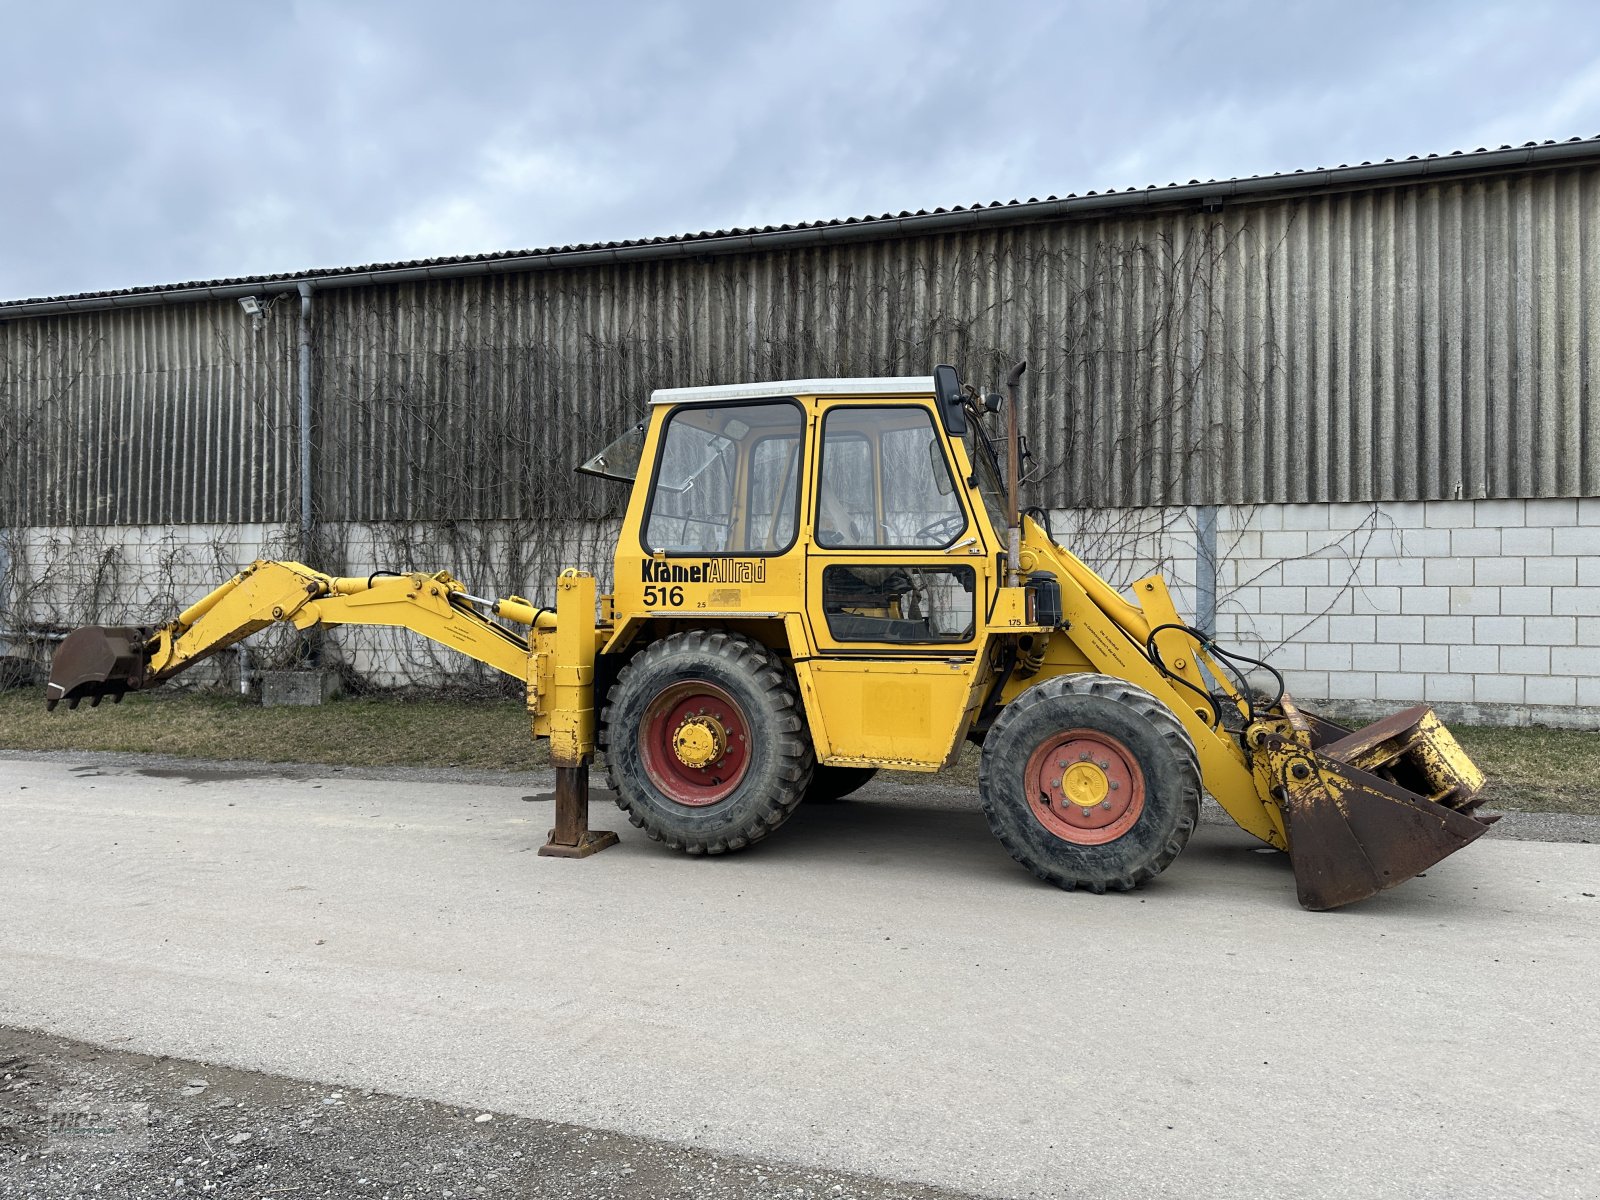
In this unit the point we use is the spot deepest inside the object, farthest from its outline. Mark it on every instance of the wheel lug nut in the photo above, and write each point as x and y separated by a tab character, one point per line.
1103	765
1105	804
1061	762
1113	785
1084	757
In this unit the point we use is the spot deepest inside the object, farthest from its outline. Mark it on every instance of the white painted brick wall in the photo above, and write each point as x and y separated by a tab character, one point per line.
1490	605
1470	602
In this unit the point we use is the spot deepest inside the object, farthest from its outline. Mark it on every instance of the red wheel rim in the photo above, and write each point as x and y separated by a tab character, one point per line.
695	743
1084	786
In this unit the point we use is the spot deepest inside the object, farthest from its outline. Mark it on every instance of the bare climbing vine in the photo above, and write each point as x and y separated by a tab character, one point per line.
449	417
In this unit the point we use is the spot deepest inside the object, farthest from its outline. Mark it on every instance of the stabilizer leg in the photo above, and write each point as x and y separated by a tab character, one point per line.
572	837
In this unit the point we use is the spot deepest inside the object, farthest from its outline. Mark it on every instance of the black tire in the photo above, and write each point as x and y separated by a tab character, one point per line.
829	785
778	758
1151	740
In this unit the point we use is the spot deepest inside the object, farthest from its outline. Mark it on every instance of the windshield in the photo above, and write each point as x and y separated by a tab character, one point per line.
726	480
619	460
986	469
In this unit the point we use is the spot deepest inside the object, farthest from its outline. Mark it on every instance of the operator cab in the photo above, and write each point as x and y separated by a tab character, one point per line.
728	475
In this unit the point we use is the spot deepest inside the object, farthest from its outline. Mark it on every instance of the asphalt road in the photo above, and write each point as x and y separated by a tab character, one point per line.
877	988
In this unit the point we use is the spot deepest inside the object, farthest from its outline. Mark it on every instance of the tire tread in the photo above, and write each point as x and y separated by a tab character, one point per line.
1167	727
795	755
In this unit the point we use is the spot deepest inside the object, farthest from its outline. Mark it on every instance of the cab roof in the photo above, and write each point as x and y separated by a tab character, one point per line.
915	385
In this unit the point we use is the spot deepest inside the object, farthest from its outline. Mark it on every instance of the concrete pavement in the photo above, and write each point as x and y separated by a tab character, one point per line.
876	988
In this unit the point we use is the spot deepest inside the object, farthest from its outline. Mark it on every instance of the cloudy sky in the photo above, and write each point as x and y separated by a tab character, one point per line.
166	141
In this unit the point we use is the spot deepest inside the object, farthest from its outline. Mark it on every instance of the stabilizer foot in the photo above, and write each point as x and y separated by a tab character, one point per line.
572	837
594	841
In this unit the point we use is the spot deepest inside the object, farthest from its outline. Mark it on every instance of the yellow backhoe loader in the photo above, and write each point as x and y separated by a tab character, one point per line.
817	579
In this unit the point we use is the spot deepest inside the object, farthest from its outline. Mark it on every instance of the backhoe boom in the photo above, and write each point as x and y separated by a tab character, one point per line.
265	593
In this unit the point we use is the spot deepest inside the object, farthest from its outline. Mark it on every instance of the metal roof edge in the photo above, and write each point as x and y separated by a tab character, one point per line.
1389	172
889	385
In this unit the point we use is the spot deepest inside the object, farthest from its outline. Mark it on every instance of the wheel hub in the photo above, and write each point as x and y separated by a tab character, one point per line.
700	741
1085	786
695	743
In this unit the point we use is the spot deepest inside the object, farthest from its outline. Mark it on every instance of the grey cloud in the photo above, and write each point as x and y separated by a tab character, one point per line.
163	142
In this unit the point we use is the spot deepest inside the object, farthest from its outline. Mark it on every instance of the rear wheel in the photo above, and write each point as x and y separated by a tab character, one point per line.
1090	782
832	784
706	745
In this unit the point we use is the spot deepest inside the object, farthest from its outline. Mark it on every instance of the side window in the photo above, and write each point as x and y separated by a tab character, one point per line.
884	481
711	479
903	605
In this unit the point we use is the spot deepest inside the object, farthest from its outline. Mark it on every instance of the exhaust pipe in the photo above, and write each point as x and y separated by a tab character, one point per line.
1014	475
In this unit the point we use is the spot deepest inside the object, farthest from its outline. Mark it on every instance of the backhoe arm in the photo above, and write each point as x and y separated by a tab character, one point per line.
96	662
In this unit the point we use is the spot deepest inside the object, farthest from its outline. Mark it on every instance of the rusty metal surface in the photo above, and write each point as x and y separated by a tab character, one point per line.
1372	809
95	662
1352	835
572	837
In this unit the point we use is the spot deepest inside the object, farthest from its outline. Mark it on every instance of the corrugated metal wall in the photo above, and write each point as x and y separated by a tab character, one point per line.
1415	342
177	415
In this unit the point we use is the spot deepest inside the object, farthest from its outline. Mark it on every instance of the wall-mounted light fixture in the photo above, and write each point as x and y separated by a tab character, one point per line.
254	309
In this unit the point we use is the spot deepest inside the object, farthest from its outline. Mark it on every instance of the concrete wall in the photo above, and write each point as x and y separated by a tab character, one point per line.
1481	607
1489	609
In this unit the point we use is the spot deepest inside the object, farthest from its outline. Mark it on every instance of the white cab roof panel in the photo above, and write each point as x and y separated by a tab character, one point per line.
896	386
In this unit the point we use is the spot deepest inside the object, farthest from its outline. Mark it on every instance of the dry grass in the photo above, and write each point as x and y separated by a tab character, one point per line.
1537	770
1531	770
488	734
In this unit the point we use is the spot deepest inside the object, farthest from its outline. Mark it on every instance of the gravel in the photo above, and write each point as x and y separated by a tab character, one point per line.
78	1120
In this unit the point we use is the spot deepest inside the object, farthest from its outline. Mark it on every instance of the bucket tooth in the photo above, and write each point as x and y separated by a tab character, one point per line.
94	662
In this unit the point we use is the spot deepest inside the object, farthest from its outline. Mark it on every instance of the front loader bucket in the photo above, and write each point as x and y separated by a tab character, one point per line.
1368	809
95	662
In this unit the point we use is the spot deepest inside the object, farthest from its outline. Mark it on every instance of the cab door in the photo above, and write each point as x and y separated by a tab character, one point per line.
896	593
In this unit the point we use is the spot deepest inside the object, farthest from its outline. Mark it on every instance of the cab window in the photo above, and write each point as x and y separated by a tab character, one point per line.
907	605
884	481
726	480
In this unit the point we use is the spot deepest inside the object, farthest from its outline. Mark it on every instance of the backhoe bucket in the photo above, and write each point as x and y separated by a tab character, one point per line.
1368	809
95	662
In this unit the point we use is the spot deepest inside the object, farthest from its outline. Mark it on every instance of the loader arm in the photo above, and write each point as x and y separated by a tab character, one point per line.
1357	811
97	662
1113	633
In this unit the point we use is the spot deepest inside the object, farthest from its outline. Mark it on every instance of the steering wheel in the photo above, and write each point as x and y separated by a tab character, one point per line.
937	533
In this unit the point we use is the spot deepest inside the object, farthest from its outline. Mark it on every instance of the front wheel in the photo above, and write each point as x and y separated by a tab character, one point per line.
706	745
1090	782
